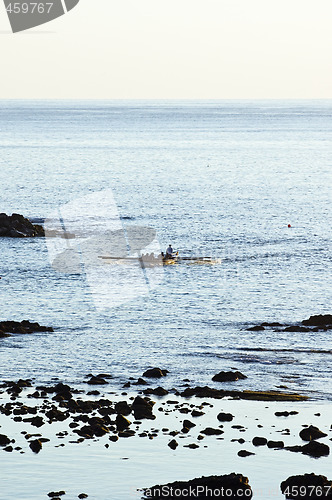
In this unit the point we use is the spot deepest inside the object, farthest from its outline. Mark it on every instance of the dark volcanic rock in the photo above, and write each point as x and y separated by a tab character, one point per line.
319	320
225	417
17	226
36	445
97	427
4	440
245	453
210	431
188	425
4	335
173	444
296	328
257	328
311	433
55	415
36	421
122	423
285	413
275	444
228	376
259	441
311	486
197	413
123	408
155	373
140	381
23	327
313	449
236	484
97	381
208	392
142	408
158	391
203	392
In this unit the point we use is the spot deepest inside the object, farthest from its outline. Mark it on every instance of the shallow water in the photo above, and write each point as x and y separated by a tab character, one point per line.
134	463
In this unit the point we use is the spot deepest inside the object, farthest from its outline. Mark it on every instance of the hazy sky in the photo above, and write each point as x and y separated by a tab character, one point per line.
208	49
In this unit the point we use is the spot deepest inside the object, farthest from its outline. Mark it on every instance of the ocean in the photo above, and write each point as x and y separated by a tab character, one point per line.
218	179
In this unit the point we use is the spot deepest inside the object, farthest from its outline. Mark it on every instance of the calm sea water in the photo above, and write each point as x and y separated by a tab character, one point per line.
220	179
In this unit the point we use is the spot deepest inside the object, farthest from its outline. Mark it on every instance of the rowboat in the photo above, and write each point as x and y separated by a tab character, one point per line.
151	260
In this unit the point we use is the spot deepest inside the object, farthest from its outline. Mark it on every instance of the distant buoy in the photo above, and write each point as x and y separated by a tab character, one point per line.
289	225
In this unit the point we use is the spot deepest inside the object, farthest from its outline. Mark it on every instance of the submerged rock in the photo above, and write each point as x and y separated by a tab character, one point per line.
158	391
155	373
313	449
36	445
173	444
4	440
259	441
96	381
237	485
296	328
17	226
311	433
285	413
228	376
275	444
4	335
225	417
210	431
208	392
122	423
244	453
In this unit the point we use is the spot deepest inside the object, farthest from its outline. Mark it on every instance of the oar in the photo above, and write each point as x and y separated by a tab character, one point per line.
195	258
117	258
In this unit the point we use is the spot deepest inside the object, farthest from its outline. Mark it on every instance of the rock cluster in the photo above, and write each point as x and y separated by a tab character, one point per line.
320	322
9	327
307	486
17	226
236	485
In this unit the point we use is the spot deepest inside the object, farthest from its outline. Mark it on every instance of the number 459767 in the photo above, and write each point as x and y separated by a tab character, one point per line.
29	8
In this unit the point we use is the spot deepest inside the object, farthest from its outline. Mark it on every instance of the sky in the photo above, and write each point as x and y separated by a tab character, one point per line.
174	49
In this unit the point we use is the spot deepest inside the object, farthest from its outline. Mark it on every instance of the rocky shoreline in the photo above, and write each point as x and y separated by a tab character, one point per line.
92	415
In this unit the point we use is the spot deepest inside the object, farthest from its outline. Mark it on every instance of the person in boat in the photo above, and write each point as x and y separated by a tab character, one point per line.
169	252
